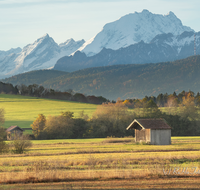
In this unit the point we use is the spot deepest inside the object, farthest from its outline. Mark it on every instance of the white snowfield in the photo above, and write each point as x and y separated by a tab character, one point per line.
128	30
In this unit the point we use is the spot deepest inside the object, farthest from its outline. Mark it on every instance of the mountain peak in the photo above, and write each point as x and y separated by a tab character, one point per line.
145	11
45	36
67	42
170	14
131	29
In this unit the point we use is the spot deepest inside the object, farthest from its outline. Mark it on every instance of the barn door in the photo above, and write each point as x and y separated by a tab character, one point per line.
140	135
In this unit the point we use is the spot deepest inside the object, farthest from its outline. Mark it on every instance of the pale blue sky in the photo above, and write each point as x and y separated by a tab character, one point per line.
23	21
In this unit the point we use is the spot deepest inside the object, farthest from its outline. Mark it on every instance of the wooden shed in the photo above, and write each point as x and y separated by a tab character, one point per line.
13	132
153	131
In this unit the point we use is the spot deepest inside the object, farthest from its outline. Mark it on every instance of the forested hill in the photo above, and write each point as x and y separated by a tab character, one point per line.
124	81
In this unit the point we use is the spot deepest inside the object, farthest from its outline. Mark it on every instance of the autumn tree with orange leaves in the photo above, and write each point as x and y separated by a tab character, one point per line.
38	125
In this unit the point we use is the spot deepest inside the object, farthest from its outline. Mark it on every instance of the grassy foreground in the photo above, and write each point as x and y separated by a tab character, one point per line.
110	163
22	110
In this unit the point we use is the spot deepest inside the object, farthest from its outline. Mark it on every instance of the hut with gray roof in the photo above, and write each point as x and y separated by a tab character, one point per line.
13	132
153	131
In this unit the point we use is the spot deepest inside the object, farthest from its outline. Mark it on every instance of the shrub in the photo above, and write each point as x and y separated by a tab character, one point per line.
3	147
21	144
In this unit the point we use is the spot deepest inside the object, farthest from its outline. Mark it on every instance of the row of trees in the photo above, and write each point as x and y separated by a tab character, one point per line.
39	91
163	100
111	119
8	88
108	120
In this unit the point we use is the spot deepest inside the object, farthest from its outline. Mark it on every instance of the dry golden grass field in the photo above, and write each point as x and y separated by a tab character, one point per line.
110	163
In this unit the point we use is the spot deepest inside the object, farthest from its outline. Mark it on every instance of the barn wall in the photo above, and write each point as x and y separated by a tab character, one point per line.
13	134
142	135
148	135
161	137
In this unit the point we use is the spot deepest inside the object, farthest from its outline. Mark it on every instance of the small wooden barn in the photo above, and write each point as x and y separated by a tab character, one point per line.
153	131
13	132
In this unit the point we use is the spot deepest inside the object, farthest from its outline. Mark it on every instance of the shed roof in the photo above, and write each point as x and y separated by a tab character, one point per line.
149	124
11	128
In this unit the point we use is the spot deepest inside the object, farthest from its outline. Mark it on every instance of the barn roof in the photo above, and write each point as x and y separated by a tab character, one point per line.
11	128
149	124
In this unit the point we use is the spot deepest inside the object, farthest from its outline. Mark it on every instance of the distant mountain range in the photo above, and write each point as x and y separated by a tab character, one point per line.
164	47
124	81
42	54
135	38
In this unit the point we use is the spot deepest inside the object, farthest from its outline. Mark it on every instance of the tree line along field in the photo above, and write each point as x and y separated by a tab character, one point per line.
22	110
103	163
104	120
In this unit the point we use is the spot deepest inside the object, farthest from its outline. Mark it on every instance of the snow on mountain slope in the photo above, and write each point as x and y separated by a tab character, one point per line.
131	29
70	46
3	54
42	54
162	48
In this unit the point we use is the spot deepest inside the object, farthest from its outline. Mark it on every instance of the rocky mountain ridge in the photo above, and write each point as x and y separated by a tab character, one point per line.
42	54
131	29
162	48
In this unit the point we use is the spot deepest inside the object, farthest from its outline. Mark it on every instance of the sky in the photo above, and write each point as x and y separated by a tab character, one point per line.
24	21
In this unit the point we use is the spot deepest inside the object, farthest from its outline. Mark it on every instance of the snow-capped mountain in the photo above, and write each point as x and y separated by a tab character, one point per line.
131	29
42	54
3	54
162	48
70	45
134	30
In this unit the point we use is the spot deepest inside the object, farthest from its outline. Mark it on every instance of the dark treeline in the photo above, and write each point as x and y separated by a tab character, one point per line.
39	91
163	100
8	88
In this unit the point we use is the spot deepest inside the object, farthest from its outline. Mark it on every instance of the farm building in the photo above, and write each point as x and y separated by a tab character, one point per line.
14	131
154	131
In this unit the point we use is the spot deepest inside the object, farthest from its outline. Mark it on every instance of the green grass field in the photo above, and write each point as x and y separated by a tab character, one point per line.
22	110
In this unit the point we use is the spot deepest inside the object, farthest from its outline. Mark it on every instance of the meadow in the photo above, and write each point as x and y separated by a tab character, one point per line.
23	110
103	163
